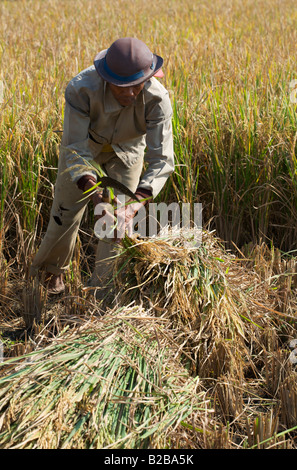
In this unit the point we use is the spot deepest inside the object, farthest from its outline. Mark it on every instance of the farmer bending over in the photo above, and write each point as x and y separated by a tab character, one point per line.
115	110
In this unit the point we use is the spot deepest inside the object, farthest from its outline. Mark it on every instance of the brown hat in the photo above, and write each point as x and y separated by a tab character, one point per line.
128	62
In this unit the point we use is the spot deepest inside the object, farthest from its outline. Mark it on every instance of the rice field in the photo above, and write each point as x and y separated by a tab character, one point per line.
195	349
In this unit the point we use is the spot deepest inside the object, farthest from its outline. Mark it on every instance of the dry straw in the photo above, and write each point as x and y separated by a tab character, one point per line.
191	348
218	306
108	384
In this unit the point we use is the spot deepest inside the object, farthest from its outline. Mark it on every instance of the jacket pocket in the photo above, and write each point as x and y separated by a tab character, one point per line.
96	143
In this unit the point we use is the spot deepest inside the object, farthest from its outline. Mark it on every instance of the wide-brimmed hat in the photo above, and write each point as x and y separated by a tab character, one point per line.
128	62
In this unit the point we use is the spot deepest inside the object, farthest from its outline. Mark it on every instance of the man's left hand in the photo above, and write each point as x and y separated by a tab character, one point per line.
125	214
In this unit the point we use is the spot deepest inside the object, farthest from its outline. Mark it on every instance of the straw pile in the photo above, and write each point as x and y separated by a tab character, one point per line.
224	311
101	385
193	355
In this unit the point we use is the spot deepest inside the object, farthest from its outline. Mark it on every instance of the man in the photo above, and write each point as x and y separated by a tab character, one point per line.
118	115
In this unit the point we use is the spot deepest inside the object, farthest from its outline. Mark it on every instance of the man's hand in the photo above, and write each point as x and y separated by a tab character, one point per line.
125	214
121	218
96	195
116	219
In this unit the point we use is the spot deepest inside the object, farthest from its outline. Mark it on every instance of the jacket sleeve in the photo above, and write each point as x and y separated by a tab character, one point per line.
159	141
75	141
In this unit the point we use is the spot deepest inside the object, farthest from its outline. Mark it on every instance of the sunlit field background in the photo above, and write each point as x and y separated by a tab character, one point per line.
218	323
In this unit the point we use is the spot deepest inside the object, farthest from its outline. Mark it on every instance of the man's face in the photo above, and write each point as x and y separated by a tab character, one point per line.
126	95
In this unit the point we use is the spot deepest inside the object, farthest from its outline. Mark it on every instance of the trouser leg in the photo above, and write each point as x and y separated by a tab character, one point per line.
57	246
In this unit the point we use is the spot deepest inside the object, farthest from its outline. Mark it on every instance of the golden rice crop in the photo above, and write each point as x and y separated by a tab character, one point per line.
228	67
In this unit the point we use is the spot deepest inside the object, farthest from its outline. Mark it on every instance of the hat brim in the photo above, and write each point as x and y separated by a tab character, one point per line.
99	66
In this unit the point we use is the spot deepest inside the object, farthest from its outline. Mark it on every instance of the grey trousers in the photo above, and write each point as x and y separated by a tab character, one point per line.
56	249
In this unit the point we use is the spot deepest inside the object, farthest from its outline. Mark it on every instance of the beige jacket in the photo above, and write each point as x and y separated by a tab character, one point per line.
93	118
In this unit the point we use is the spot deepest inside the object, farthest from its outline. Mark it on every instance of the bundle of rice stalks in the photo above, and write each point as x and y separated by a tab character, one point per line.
115	382
222	310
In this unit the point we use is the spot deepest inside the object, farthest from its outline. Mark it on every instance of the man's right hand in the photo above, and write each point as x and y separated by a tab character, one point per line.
101	207
96	195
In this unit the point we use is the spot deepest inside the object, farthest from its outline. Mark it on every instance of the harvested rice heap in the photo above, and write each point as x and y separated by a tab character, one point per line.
193	355
106	384
221	311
